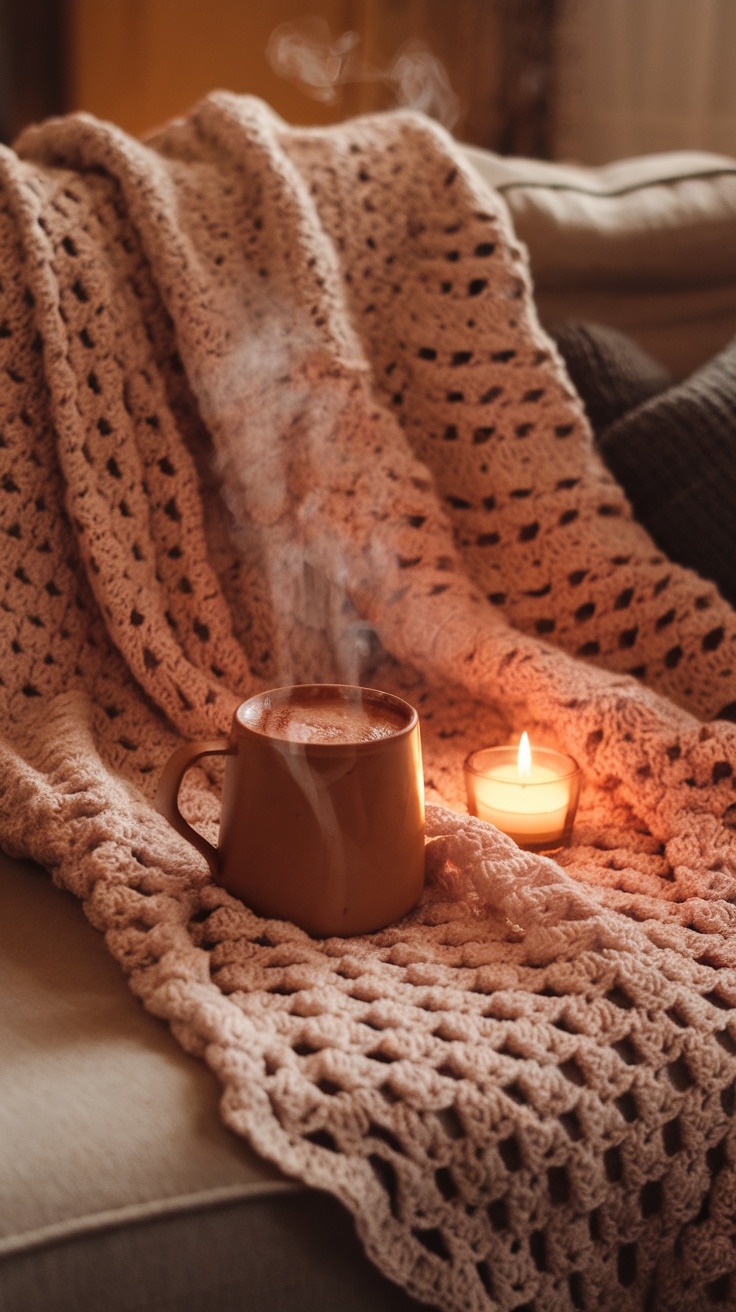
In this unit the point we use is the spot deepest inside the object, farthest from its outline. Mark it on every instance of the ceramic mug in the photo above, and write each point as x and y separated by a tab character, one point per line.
322	819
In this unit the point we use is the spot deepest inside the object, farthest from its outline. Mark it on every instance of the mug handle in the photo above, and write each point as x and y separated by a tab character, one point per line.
167	795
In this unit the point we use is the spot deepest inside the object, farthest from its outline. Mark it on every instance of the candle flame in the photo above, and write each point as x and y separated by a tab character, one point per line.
525	757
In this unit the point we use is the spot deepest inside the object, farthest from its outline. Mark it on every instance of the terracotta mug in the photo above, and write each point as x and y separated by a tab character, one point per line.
322	819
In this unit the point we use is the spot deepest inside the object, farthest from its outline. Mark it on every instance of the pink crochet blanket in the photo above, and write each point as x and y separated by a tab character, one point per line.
276	406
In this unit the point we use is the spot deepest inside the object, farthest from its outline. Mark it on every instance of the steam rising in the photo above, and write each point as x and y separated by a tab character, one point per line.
303	52
420	82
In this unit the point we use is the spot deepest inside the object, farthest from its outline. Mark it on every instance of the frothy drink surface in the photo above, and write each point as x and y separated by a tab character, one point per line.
308	721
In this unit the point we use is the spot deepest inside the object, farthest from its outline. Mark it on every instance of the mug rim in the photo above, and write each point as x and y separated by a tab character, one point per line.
288	744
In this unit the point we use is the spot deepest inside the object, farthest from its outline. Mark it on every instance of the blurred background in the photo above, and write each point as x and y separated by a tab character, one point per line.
585	80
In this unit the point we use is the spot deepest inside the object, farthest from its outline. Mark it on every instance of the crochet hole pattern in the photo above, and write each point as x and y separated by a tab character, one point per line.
278	399
514	1209
491	500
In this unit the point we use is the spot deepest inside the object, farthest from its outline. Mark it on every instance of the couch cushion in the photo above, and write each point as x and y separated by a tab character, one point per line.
645	245
99	1108
284	1251
121	1188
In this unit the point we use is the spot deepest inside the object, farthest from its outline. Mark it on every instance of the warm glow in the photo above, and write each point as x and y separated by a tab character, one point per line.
525	757
533	801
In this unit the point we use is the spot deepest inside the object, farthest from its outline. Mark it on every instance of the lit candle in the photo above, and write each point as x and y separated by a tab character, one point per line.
532	799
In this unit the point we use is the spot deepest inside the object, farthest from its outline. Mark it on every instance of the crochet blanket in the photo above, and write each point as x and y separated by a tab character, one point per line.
276	406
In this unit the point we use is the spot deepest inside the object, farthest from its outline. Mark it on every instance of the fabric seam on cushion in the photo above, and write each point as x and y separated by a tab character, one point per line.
619	191
138	1213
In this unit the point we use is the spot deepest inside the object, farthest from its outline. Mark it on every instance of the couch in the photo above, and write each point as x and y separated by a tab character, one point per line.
120	1188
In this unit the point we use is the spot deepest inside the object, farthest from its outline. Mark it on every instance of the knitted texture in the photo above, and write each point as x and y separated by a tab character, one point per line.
611	373
276	406
676	457
672	447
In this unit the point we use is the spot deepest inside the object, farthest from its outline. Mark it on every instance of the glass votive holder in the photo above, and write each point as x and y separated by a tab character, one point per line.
535	807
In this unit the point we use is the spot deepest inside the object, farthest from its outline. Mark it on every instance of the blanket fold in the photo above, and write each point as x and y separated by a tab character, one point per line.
276	407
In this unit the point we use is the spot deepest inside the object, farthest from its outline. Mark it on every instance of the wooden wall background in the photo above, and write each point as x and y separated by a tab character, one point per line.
139	62
33	62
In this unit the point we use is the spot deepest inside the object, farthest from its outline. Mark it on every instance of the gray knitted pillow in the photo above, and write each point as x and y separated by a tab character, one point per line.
611	372
672	450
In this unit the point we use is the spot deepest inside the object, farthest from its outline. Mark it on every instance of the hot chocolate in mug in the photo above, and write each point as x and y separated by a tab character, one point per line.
322	819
